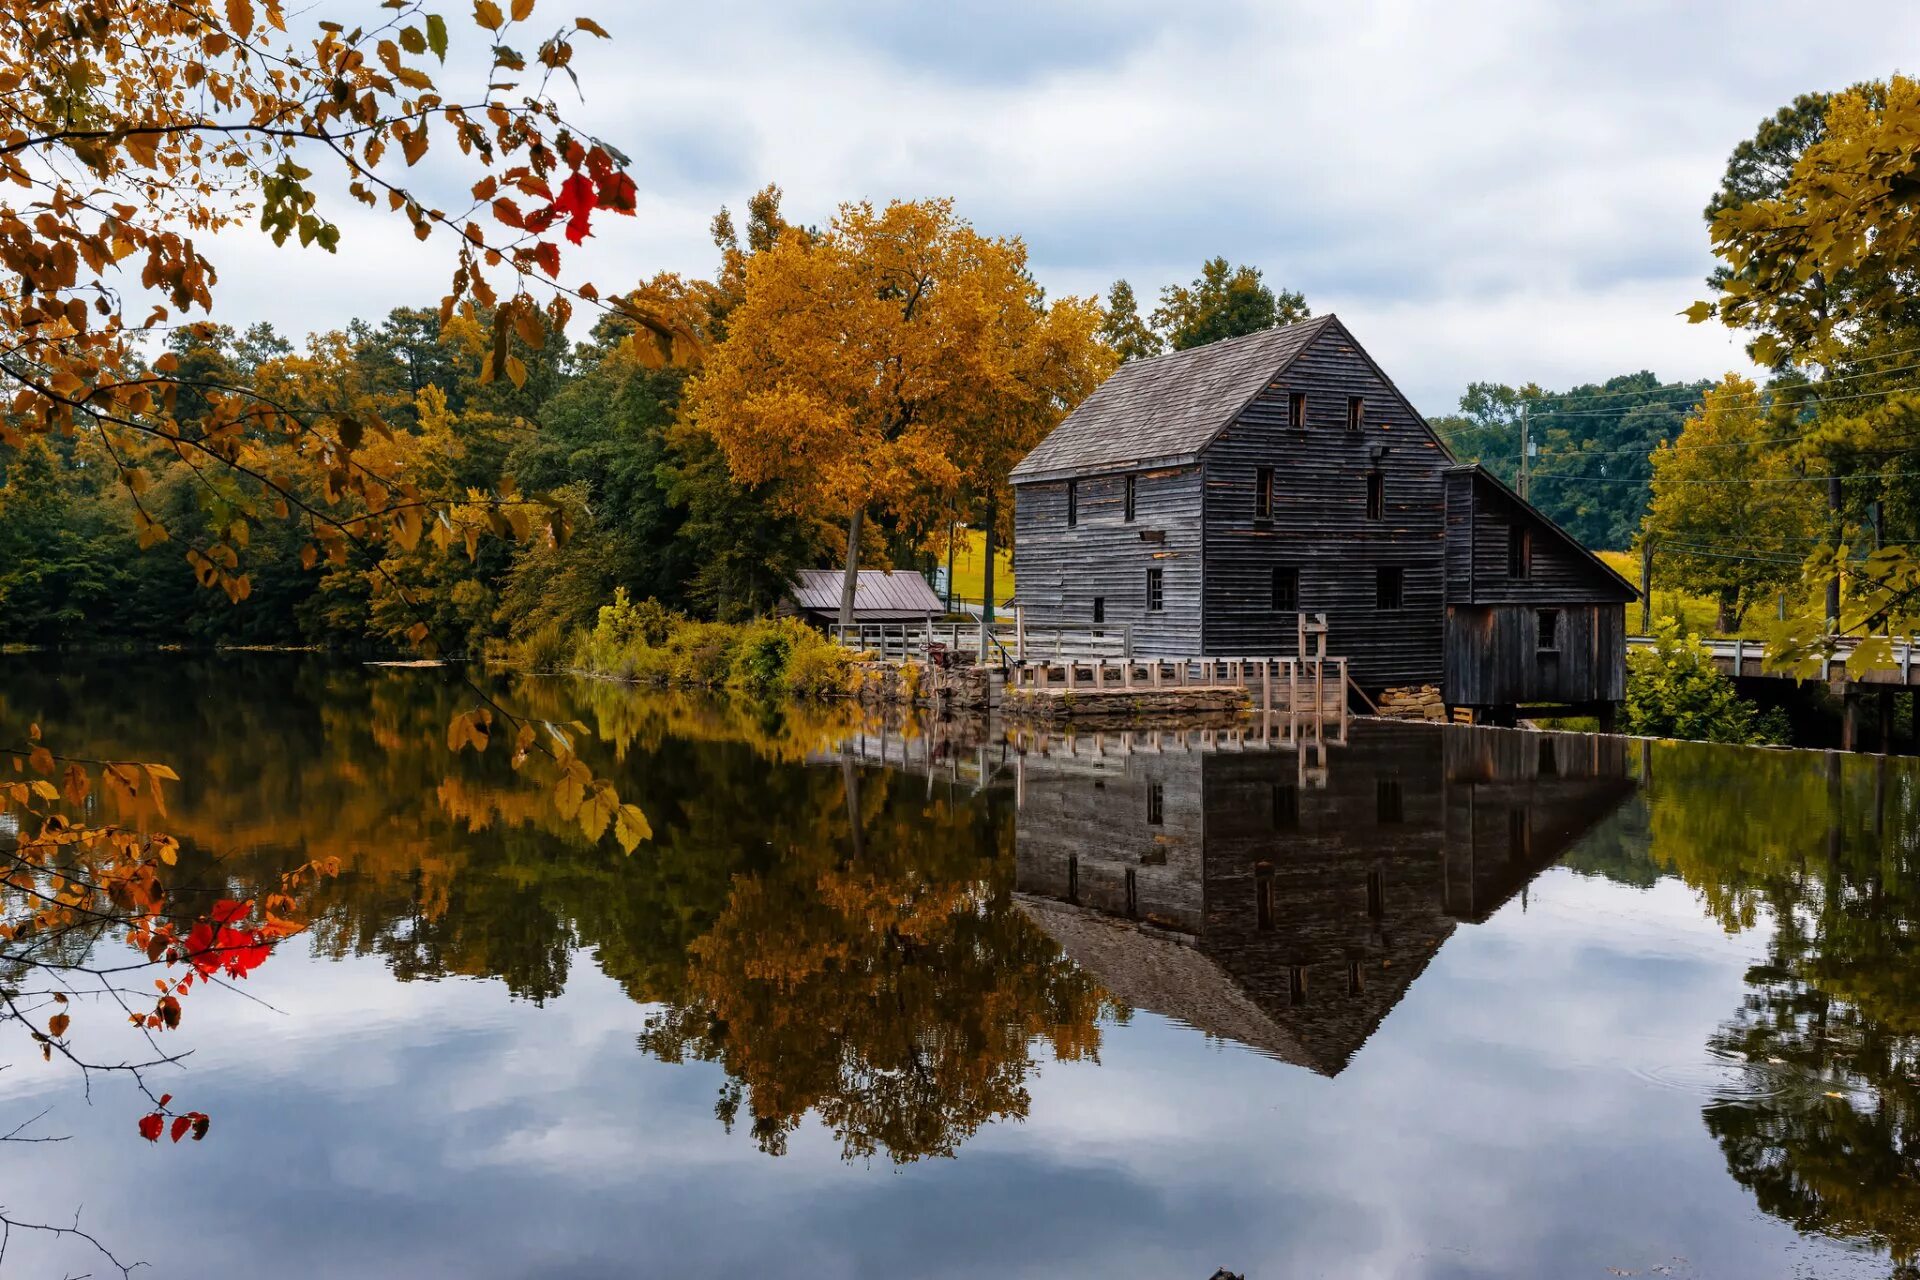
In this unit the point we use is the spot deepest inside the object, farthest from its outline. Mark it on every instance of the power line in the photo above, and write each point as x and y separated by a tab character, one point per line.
1687	388
1865	475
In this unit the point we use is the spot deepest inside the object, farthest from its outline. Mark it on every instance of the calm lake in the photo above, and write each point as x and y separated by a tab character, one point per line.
1429	1002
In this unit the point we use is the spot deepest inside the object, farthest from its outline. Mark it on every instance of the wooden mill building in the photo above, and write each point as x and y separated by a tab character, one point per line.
1204	498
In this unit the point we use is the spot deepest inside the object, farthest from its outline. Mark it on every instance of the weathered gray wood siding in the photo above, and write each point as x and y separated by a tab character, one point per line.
1320	523
1059	571
1083	826
1479	516
1494	656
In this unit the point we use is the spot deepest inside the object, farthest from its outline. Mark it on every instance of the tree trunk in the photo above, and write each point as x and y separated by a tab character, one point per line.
852	577
1729	617
986	590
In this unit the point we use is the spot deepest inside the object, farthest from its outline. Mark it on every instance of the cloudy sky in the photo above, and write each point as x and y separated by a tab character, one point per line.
1482	190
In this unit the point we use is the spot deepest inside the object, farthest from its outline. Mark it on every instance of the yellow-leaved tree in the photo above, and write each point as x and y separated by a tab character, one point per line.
130	131
875	366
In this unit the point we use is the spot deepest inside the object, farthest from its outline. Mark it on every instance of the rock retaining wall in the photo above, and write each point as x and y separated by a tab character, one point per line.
889	683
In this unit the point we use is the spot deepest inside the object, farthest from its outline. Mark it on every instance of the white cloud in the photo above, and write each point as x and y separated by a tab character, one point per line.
1485	190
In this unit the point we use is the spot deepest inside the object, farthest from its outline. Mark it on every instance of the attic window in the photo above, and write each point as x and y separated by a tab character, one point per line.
1073	503
1376	495
1263	493
1156	594
1128	510
1519	551
1356	412
1297	410
1099	610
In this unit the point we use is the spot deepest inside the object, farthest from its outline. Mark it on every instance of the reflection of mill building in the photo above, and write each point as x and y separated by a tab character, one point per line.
1289	908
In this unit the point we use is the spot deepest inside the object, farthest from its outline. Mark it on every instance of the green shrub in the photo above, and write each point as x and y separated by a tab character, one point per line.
545	648
1675	691
767	657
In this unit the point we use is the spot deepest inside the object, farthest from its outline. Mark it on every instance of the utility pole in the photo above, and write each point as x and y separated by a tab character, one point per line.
1646	587
1526	446
1833	583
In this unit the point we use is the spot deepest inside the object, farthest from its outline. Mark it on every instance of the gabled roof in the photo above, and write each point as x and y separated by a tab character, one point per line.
1484	476
1165	409
875	592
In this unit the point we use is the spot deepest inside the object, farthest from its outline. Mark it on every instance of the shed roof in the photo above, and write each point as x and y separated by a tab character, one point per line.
901	593
1167	408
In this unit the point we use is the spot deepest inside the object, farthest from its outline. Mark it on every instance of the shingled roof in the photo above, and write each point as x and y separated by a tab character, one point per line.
1166	409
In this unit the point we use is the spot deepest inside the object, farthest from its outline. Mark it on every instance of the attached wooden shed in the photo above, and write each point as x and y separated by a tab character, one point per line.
1533	617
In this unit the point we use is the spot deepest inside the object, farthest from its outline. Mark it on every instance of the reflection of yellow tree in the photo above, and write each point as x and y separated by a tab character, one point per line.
1826	850
893	990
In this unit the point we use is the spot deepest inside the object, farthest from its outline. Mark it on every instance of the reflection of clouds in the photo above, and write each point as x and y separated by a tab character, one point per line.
440	1128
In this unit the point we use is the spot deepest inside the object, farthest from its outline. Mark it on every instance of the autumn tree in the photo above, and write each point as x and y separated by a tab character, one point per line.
1224	301
1123	329
863	356
131	131
1820	271
1731	513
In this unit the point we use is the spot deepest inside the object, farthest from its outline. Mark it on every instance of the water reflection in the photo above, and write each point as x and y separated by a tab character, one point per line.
902	949
1288	906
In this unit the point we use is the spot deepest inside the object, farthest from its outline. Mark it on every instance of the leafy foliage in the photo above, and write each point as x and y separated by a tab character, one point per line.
1675	691
1223	301
1729	515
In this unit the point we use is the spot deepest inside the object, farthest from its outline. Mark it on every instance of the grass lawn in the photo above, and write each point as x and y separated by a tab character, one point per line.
1696	613
970	568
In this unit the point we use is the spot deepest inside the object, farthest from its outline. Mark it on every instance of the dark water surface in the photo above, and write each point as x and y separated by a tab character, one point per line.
1427	1003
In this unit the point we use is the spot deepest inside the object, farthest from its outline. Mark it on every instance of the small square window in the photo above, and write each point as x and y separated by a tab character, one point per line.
1519	551
1099	609
1286	588
1548	622
1155	594
1127	513
1389	587
1297	410
1156	804
1356	412
1376	496
1263	493
1073	503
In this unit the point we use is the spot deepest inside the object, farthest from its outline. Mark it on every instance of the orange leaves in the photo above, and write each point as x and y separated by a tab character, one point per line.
470	729
487	14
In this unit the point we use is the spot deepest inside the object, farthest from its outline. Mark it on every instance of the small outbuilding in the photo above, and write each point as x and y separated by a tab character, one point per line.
1204	499
879	595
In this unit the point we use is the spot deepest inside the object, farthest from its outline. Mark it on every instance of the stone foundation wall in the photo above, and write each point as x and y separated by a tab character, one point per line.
887	683
1414	702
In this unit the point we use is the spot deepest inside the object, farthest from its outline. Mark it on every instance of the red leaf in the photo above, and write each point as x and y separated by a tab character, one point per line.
165	1098
150	1126
200	1123
547	255
226	911
576	202
180	1126
617	193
